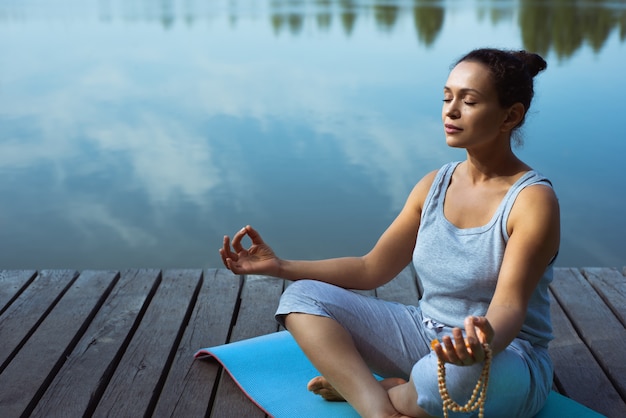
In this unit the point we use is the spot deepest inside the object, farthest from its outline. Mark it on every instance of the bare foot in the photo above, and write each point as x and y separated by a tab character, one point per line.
320	386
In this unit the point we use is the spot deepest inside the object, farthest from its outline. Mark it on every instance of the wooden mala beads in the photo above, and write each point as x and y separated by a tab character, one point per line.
479	394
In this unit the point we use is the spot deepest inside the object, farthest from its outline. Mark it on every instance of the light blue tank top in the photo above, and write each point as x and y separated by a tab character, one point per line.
459	268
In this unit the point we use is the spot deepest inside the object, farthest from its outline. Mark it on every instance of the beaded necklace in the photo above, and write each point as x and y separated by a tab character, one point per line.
479	394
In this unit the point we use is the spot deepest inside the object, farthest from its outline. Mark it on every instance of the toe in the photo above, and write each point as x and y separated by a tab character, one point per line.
316	384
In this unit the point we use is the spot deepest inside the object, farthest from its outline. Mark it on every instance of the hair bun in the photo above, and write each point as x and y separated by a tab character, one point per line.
534	62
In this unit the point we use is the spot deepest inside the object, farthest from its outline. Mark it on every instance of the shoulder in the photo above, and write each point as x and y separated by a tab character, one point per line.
421	189
537	195
427	181
536	206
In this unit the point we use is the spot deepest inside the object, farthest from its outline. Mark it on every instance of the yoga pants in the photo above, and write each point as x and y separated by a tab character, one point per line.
394	340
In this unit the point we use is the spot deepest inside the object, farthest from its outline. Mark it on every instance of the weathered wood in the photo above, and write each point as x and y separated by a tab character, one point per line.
259	299
134	387
187	391
611	286
81	347
23	316
47	348
12	282
577	371
597	325
92	362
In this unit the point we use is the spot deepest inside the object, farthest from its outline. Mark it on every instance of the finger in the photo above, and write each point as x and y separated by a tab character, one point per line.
485	328
226	254
450	353
460	349
473	342
223	256
237	240
226	250
438	349
254	235
231	265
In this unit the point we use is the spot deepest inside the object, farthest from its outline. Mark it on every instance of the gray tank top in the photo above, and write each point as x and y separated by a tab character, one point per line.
459	268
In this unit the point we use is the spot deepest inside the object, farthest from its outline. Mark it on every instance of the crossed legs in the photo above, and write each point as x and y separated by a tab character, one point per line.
332	351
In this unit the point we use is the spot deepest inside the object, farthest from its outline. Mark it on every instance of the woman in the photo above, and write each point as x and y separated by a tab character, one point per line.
482	234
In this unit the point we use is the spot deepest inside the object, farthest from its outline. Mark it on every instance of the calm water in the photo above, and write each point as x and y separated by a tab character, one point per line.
136	133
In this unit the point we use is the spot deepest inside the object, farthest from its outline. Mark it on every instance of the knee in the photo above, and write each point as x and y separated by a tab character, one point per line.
304	287
306	293
302	296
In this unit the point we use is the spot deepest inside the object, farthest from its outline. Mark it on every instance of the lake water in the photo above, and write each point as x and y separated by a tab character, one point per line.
136	133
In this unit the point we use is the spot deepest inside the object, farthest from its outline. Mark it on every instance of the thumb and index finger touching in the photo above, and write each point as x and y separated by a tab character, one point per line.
250	232
478	331
480	323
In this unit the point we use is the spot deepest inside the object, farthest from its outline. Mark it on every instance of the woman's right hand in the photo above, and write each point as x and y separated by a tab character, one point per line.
468	350
258	259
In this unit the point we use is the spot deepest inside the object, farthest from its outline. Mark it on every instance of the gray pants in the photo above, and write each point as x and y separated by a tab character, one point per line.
394	340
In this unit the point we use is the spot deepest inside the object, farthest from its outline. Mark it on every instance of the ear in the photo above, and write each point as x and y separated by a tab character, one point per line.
514	116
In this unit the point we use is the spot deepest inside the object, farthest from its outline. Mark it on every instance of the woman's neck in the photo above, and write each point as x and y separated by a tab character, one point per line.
485	166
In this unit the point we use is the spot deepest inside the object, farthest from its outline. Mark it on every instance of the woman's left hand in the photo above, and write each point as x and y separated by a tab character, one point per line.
468	350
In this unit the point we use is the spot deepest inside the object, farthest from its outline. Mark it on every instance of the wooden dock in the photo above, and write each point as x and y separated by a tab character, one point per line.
121	344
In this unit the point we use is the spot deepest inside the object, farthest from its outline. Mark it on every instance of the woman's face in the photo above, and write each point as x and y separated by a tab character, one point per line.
471	114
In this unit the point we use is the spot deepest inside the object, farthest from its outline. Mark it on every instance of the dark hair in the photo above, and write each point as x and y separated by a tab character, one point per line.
512	73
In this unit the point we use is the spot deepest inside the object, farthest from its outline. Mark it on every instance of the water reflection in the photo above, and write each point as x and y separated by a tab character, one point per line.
562	26
137	133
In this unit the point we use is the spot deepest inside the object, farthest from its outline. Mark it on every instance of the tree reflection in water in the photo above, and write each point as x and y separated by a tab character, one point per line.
561	26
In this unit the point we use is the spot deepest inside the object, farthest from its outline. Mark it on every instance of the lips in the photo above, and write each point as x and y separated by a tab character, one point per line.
451	129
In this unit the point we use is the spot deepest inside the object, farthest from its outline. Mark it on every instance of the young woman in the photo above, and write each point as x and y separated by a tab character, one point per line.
482	234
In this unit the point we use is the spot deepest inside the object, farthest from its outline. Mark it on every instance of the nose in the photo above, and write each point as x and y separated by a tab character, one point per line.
451	110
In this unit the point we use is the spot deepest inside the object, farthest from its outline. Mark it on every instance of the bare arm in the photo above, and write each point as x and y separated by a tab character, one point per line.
534	234
534	230
389	256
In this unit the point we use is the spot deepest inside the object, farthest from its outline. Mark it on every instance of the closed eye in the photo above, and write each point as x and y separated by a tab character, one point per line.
468	103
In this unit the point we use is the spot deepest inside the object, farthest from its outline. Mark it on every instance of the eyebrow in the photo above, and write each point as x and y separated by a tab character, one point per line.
464	90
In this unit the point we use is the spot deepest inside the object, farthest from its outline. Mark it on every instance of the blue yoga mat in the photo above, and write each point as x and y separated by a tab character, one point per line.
273	372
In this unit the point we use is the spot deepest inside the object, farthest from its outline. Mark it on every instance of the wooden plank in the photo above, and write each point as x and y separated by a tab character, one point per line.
576	370
23	316
611	286
403	288
259	299
136	382
12	283
94	358
47	348
187	391
595	323
144	352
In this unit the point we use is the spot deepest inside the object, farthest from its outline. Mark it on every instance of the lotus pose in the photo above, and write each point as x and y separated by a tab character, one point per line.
482	234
